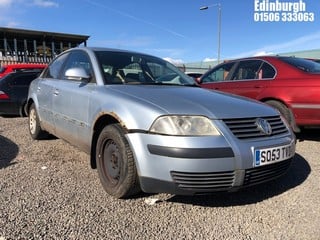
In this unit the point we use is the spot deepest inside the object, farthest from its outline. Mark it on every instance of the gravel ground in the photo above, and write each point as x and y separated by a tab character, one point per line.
49	191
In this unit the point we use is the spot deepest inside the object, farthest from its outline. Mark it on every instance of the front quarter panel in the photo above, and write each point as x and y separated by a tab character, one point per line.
131	114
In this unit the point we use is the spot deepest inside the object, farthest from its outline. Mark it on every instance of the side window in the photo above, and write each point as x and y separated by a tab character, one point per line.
218	74
53	70
2	69
78	59
247	70
24	80
266	71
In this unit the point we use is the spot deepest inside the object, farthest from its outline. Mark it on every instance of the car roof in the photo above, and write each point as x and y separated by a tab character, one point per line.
104	49
264	57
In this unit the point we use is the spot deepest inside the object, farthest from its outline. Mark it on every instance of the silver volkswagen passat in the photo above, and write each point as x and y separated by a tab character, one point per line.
147	126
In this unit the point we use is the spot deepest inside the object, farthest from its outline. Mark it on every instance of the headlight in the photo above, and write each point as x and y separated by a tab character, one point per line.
184	125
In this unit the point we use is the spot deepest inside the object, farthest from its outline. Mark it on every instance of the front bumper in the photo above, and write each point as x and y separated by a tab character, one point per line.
186	183
199	165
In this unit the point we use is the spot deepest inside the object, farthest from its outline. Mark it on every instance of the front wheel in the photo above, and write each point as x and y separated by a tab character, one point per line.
115	163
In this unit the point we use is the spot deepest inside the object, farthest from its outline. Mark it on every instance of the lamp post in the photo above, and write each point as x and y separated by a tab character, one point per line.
219	24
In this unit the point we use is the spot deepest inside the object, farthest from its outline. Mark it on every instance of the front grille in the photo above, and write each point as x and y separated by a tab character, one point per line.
265	173
204	182
224	181
246	128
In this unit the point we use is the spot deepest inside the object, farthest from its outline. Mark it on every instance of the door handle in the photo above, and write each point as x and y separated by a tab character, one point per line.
56	92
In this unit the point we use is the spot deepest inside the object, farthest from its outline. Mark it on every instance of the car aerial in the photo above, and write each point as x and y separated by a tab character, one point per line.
14	92
290	84
6	69
148	126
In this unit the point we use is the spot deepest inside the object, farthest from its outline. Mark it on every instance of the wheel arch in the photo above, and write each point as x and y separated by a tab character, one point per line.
292	123
266	99
27	106
100	123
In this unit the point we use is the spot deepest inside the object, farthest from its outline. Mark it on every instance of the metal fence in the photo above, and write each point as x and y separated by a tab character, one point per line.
23	58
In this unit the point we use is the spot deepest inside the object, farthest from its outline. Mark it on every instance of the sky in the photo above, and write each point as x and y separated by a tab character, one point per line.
176	30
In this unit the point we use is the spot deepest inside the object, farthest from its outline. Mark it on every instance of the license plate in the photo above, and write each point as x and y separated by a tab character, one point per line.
276	154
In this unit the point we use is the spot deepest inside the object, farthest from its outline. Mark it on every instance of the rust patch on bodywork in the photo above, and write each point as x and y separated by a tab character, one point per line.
114	116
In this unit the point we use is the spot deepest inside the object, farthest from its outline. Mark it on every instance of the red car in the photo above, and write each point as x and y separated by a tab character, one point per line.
290	84
4	70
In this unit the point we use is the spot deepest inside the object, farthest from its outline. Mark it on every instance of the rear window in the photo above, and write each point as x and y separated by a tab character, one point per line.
302	64
25	79
2	69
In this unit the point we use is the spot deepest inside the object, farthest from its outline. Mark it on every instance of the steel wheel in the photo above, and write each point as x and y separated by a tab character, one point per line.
112	163
115	163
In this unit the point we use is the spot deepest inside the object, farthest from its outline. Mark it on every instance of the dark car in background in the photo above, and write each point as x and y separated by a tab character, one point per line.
290	84
14	91
18	67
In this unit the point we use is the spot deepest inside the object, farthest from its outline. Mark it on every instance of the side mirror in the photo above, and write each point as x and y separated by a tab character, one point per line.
78	74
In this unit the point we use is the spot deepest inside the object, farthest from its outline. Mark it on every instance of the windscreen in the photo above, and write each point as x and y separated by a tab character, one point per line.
133	68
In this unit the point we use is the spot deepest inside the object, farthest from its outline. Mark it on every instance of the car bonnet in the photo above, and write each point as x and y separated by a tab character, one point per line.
183	100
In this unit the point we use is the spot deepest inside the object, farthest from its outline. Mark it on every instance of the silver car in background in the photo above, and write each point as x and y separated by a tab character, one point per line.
147	126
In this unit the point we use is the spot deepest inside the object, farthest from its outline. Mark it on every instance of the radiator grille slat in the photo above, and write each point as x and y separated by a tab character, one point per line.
265	173
204	181
224	181
246	128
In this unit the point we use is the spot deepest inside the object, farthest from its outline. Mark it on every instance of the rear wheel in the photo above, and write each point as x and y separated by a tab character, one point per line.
115	163
34	124
285	112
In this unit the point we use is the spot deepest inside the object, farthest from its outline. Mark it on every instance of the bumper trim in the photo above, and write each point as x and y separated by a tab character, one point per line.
224	152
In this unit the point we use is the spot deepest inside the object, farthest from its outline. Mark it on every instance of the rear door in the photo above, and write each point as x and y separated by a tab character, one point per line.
250	78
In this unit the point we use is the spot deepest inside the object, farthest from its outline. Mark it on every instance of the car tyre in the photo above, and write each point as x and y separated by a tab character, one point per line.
285	112
115	163
35	129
